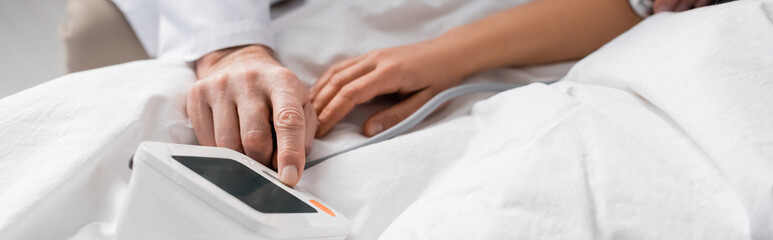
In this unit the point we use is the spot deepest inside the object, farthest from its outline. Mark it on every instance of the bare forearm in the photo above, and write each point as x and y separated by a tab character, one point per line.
539	32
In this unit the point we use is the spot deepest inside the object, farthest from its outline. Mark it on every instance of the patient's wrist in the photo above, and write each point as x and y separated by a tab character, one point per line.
460	54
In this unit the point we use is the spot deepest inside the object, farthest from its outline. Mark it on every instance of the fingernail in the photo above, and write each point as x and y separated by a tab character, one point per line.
375	128
289	175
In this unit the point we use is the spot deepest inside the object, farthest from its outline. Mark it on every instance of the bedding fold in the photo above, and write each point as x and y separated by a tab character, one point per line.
664	133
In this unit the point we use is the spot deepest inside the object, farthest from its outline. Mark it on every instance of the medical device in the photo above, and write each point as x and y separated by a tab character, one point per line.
195	192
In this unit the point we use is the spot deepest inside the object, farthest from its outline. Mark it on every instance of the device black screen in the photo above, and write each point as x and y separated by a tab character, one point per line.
245	184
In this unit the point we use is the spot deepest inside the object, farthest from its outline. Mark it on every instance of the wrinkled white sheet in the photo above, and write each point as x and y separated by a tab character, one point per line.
664	133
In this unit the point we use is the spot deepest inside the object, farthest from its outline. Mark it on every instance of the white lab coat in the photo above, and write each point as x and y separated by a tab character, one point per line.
188	29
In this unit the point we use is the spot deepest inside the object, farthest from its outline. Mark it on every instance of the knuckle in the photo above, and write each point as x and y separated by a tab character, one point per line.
249	77
348	92
250	74
198	91
339	65
291	154
389	66
287	94
257	141
337	80
289	118
379	53
287	80
228	141
284	74
220	82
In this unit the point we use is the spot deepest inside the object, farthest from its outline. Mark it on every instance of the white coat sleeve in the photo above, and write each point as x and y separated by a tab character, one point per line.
143	17
190	29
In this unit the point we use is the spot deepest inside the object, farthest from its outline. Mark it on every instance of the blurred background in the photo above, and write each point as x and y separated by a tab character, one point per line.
31	51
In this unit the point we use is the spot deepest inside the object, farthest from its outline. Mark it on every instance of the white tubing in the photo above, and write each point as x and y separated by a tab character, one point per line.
422	113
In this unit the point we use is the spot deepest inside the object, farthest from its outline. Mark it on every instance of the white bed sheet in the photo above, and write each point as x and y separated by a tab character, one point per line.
664	133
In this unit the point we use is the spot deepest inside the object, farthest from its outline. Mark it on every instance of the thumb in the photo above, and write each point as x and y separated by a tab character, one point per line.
393	115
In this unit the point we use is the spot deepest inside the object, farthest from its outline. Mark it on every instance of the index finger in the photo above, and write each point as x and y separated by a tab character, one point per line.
359	91
329	73
290	127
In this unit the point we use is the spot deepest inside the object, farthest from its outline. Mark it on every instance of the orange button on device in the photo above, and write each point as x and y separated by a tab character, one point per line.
320	206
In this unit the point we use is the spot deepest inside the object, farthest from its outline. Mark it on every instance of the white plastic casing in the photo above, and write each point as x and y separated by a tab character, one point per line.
166	200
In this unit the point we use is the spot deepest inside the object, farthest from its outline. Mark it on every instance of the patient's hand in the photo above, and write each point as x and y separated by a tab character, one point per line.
240	92
678	5
419	70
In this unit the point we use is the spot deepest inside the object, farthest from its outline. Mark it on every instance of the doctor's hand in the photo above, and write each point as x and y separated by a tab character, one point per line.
418	71
246	101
